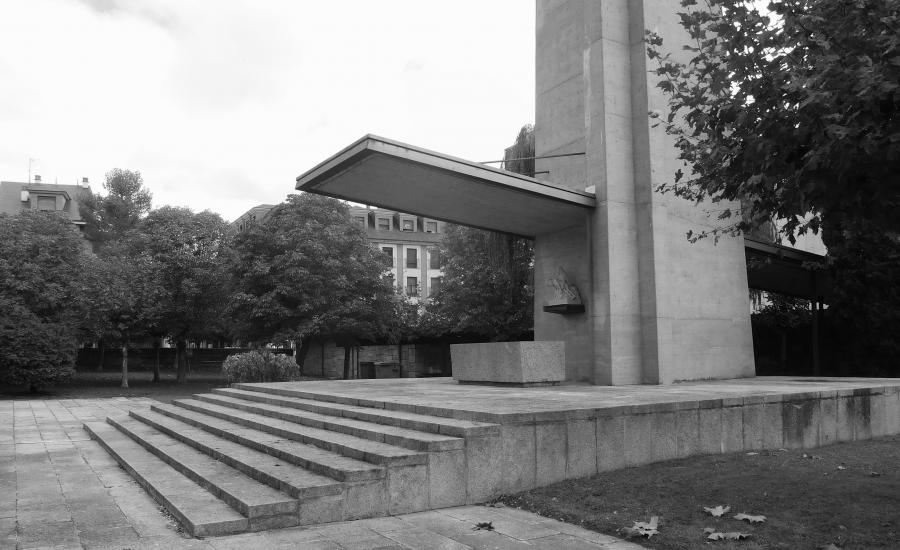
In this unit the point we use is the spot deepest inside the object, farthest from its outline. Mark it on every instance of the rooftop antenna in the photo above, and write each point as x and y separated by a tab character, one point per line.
30	160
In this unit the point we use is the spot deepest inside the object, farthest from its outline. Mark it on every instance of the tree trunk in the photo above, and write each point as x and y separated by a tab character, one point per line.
782	352
102	355
346	362
181	361
125	364
302	351
157	345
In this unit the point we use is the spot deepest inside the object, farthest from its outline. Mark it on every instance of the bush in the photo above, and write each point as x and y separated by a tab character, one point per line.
260	366
34	352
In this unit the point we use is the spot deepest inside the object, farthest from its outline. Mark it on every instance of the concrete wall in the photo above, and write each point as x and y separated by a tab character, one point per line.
568	249
547	450
660	309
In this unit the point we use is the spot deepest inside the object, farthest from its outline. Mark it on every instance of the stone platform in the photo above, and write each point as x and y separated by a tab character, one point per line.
299	453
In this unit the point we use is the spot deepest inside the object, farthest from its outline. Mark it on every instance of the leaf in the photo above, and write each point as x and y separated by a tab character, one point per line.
751	519
485	525
718	511
727	536
642	528
828	547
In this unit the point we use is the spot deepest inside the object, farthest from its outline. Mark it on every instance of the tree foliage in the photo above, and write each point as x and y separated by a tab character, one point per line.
790	110
128	297
865	301
487	287
42	260
189	252
488	277
110	217
306	271
793	111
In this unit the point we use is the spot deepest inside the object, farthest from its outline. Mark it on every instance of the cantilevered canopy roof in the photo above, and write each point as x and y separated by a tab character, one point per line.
401	177
786	270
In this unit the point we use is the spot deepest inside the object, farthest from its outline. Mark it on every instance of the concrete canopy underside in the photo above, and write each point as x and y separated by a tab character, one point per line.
405	178
785	270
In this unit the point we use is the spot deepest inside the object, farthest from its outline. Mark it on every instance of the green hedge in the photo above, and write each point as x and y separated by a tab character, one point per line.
260	366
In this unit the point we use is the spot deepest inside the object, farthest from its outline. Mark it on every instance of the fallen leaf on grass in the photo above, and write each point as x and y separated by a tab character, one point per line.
812	457
751	519
874	474
828	547
643	528
486	525
752	454
712	534
842	467
718	511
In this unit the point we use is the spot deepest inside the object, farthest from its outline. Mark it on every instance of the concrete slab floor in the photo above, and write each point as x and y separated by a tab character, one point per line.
59	489
446	397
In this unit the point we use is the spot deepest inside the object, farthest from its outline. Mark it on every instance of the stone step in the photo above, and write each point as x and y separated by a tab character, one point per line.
262	505
392	435
200	512
305	400
265	468
309	457
346	445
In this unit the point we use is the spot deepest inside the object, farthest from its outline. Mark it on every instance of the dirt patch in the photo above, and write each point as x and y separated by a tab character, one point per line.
846	494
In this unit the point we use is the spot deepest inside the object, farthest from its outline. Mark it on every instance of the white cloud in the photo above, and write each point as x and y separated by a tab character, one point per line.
221	104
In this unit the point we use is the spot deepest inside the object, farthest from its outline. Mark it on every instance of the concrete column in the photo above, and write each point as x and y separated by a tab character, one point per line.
659	309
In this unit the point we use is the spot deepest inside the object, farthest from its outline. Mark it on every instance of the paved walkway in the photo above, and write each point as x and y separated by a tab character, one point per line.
59	489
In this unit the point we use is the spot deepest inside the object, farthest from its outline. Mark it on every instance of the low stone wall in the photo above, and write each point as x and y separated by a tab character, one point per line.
544	450
326	359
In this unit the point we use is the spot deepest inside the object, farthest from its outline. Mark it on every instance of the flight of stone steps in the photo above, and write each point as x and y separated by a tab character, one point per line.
249	458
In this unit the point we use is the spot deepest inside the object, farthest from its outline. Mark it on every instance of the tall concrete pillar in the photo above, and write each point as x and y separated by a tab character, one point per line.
658	308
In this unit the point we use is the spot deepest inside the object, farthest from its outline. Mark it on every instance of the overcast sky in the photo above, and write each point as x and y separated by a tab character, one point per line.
221	103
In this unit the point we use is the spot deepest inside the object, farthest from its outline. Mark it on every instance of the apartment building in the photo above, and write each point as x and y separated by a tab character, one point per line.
63	199
410	245
252	216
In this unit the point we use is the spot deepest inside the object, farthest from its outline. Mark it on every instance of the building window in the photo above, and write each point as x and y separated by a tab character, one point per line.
46	203
436	285
431	227
388	254
434	258
360	220
384	224
412	257
412	286
409	225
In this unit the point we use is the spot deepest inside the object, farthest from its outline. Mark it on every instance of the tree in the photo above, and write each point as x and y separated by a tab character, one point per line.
487	287
110	217
791	110
129	298
189	251
306	271
488	283
42	260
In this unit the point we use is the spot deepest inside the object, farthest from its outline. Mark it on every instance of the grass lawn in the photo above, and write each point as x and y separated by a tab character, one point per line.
89	384
847	495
